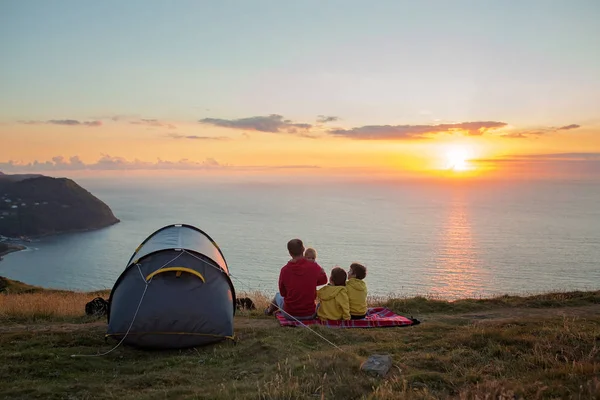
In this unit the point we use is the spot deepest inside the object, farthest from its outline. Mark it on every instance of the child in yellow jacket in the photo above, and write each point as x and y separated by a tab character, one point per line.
333	298
357	291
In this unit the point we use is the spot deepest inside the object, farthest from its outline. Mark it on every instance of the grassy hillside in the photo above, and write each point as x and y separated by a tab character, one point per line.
509	347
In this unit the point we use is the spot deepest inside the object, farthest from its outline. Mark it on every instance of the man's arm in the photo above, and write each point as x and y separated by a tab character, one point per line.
322	276
282	290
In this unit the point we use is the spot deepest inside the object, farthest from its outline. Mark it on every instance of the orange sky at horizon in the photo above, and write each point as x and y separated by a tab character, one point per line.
26	143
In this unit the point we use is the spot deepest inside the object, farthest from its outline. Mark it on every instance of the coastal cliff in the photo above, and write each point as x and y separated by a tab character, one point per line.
36	205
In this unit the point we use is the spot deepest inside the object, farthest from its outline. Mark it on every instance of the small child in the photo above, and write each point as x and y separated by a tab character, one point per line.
357	291
310	254
333	298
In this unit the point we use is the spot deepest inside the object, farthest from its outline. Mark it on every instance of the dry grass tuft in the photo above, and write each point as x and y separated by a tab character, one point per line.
261	301
44	305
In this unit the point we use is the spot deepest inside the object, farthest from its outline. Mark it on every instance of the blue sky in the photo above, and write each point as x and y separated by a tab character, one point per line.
526	62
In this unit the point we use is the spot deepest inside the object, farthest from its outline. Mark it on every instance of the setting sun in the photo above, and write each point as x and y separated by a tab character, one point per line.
457	159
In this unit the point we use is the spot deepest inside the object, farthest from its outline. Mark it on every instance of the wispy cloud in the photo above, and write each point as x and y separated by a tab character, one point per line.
408	132
136	119
568	127
525	134
153	123
196	137
107	162
110	163
578	156
515	135
323	119
65	122
273	123
558	165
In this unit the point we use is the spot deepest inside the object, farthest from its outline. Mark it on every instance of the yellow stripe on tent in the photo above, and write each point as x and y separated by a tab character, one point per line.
179	271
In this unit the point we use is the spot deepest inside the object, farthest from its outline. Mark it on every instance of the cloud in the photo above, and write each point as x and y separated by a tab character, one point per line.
579	156
153	123
515	135
547	166
65	122
110	163
136	119
273	123
538	132
323	119
524	134
406	132
74	122
107	162
568	127
196	137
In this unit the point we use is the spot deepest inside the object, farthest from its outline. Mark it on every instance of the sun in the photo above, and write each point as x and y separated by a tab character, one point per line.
458	159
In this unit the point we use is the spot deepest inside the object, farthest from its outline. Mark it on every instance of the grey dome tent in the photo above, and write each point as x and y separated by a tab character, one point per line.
175	292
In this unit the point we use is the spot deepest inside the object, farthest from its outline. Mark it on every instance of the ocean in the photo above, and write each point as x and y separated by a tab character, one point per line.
448	240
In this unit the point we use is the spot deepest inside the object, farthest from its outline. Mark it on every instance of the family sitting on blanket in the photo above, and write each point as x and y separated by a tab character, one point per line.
341	299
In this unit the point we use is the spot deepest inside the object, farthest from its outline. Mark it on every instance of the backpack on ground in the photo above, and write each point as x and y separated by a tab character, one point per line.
97	307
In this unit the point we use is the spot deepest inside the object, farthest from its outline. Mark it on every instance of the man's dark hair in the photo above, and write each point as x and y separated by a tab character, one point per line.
359	270
338	276
296	248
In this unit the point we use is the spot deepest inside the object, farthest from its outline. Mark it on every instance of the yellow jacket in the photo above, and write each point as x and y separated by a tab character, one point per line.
357	296
333	303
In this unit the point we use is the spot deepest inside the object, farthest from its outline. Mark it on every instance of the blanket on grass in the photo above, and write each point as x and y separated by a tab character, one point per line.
378	317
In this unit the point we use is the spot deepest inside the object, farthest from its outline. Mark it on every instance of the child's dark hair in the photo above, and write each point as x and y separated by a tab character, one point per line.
359	270
338	276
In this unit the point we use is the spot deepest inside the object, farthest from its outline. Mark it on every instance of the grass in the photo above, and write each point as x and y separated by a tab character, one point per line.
547	300
514	347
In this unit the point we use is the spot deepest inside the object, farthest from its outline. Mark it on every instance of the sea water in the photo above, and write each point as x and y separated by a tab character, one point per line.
449	240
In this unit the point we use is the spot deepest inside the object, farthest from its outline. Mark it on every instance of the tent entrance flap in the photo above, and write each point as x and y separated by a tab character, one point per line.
179	270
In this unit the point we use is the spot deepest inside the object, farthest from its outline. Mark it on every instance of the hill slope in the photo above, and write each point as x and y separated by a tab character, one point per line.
40	205
505	348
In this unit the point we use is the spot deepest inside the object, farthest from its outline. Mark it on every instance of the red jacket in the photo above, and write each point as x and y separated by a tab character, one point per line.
298	281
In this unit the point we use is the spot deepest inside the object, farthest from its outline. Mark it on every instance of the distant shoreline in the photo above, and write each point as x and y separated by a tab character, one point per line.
83	230
11	248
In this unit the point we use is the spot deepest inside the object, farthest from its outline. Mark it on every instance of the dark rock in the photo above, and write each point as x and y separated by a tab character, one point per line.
377	364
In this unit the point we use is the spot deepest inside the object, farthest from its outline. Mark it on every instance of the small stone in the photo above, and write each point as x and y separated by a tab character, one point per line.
377	364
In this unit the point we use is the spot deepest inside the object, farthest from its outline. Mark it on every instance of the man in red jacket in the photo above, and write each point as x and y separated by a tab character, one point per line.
298	281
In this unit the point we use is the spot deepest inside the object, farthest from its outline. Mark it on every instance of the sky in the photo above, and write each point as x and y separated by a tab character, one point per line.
458	88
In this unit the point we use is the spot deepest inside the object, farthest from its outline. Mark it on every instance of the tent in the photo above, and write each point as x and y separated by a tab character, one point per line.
175	292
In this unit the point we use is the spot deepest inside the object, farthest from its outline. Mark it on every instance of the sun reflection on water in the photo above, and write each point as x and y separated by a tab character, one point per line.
457	271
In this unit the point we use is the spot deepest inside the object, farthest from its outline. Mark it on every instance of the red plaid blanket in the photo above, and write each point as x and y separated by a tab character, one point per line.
378	317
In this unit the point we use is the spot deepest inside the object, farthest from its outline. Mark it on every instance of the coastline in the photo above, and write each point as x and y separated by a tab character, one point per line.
83	230
11	248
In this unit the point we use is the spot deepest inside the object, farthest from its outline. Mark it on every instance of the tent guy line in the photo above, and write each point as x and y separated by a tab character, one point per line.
134	316
201	275
297	320
294	318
